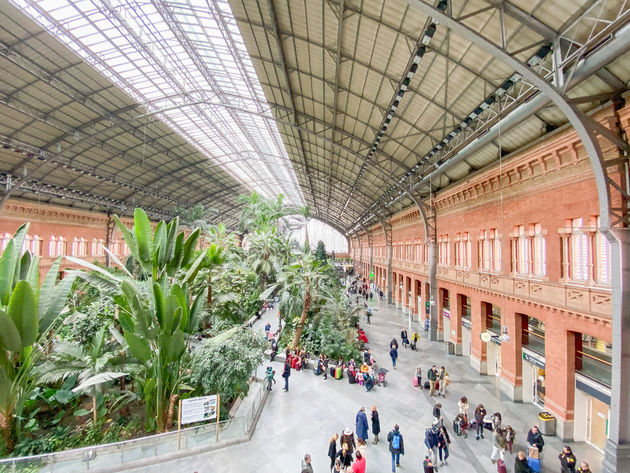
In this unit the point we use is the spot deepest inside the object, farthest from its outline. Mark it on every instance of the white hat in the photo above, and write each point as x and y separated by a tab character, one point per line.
347	431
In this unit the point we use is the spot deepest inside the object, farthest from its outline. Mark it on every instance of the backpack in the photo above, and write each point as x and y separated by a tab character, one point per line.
396	442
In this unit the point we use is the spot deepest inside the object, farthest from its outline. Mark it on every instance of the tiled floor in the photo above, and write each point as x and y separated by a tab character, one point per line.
303	420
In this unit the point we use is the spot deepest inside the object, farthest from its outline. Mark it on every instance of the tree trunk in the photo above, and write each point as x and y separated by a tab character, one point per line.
209	288
171	411
263	281
6	424
94	409
300	326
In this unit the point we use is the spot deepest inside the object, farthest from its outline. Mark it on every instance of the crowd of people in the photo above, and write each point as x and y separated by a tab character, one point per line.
348	453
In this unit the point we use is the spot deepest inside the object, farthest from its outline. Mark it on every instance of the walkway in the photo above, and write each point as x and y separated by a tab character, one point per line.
303	420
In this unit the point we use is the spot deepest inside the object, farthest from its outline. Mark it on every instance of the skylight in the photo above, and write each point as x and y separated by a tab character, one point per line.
186	62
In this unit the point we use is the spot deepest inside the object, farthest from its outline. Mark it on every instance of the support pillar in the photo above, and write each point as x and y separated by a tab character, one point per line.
478	348
617	450
456	323
511	380
560	376
441	336
433	324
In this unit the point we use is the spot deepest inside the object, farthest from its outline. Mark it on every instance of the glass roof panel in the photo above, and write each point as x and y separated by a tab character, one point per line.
187	63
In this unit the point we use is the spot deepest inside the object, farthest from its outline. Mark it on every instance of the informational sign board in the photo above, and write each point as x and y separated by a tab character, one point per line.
198	409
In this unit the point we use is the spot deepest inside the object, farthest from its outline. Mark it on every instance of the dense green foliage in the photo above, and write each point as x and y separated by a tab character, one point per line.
106	353
320	252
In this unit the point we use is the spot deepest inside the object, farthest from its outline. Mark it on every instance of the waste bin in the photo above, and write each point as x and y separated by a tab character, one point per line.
547	423
450	348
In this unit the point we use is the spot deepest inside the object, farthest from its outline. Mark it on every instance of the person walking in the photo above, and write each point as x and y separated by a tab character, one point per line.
520	463
404	338
432	376
286	372
332	449
376	425
396	446
567	460
306	464
510	436
415	338
337	468
270	377
437	414
361	425
443	445
462	404
368	315
443	377
498	445
393	344
431	439
393	353
480	414
535	439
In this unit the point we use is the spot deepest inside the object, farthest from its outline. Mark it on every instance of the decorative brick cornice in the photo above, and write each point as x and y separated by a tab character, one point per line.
30	211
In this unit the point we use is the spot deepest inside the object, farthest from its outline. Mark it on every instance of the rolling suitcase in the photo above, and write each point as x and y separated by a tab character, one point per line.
338	372
415	381
534	464
332	371
351	378
457	427
501	466
427	385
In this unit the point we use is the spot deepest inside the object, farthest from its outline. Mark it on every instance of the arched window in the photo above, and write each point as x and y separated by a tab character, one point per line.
52	246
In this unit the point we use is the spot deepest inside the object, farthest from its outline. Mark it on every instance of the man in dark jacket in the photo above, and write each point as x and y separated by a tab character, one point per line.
376	425
520	463
437	413
396	446
584	468
286	372
535	438
432	376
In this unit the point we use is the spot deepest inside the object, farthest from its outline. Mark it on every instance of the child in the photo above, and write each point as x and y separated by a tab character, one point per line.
510	435
325	367
419	376
269	377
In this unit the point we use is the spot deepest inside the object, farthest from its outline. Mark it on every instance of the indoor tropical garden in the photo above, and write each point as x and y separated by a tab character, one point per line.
104	354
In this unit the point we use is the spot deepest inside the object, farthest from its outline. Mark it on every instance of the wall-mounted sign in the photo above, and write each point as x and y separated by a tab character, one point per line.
485	337
496	339
446	313
534	360
466	323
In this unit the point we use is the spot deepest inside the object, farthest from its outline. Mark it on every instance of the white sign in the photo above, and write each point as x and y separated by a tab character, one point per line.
198	409
446	313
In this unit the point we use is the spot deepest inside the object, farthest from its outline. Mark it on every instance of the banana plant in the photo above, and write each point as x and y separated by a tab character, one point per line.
159	311
28	316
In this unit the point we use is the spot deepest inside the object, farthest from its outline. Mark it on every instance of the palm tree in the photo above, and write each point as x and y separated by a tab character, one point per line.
267	249
258	211
214	258
94	366
305	276
196	217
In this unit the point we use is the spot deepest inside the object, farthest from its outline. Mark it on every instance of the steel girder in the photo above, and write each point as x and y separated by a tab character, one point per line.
617	457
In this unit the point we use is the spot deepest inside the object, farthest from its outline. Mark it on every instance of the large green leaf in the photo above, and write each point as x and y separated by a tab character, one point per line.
7	272
159	245
178	255
25	265
138	347
128	236
9	335
189	246
194	269
171	236
23	312
177	346
160	308
57	302
142	229
195	313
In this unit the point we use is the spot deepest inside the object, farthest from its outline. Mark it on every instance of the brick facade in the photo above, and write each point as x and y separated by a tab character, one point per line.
532	196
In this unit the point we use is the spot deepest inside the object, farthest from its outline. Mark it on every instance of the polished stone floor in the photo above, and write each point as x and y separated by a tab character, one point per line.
303	420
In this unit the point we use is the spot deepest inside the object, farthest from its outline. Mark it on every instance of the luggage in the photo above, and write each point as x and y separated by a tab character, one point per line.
534	464
338	373
427	385
457	427
351	378
501	466
415	381
294	362
428	466
532	452
332	371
